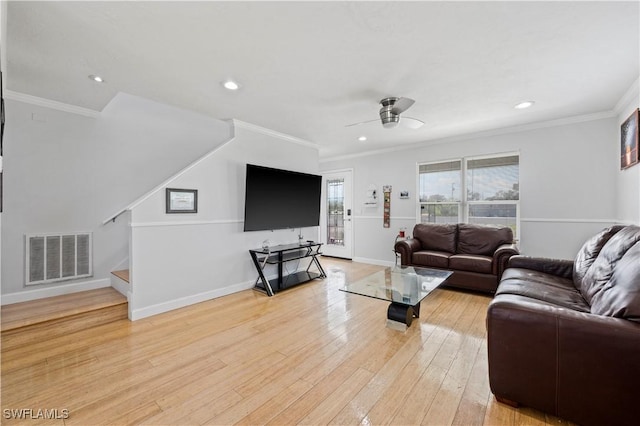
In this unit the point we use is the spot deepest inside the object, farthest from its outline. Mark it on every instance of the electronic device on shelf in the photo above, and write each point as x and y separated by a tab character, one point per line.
281	199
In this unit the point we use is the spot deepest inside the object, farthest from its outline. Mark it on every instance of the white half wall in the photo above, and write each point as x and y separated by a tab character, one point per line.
567	185
66	172
181	259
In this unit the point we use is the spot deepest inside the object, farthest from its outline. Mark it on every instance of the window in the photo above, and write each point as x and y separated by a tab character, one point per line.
440	192
481	190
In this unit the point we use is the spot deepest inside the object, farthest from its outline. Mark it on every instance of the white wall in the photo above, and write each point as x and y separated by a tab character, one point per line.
180	259
628	180
567	184
68	172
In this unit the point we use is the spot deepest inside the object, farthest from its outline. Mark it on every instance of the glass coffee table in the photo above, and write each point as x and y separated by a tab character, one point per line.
403	286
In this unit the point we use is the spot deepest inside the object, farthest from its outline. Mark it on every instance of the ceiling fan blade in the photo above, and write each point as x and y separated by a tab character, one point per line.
362	122
412	123
401	105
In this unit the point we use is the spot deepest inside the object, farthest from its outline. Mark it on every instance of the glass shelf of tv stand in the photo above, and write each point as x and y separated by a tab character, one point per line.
287	252
280	254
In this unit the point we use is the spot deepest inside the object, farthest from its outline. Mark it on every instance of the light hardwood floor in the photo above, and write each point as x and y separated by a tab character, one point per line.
309	355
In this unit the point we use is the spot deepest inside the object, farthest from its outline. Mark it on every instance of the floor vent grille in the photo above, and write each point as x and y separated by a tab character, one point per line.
57	257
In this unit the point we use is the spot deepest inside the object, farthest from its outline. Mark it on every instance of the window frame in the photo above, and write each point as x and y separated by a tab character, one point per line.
465	204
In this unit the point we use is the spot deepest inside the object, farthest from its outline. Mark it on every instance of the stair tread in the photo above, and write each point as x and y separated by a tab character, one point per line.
122	274
23	314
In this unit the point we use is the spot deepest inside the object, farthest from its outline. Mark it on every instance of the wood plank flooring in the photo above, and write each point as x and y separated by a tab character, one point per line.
25	314
309	355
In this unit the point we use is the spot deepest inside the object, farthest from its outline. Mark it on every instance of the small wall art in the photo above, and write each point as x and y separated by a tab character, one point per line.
386	215
181	200
629	141
404	195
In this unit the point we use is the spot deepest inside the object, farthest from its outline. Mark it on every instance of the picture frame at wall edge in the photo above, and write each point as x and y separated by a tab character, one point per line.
181	200
629	143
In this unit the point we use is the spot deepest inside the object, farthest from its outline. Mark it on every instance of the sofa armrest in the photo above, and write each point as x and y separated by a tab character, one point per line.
406	249
501	257
559	267
575	365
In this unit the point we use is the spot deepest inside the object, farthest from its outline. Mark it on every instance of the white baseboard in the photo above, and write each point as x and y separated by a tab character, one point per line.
147	311
41	293
374	261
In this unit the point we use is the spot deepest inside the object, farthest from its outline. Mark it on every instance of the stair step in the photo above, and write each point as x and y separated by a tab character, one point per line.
59	315
123	274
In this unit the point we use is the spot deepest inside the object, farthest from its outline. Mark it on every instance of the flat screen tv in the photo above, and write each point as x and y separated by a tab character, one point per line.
280	199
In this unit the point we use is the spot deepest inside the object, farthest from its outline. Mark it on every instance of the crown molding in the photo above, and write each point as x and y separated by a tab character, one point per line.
633	93
482	134
47	103
263	130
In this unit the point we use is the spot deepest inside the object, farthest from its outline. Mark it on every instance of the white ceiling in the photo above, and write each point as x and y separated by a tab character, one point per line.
307	69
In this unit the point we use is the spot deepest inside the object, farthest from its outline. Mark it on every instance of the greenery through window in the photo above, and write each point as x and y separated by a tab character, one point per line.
482	190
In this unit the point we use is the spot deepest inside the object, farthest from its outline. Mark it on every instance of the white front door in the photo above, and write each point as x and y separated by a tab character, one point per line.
337	211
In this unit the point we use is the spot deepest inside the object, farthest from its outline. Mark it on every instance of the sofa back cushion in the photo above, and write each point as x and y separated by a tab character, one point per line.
612	284
621	297
436	236
589	252
482	239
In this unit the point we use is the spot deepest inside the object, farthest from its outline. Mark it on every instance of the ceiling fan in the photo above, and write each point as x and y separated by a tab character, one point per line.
390	112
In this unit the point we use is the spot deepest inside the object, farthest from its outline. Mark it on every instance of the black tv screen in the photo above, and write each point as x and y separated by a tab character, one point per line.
280	199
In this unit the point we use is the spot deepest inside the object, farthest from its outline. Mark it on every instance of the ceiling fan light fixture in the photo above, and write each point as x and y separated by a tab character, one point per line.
390	111
389	119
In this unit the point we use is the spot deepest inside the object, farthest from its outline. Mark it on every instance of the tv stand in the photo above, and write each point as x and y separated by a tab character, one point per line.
279	255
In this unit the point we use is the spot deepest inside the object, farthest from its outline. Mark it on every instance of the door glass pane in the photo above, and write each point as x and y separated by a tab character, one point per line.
335	212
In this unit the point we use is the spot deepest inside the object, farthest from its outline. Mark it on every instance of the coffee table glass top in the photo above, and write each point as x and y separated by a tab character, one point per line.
406	285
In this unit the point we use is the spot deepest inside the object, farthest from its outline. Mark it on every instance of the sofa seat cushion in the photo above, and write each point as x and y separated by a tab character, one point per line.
551	289
430	258
471	263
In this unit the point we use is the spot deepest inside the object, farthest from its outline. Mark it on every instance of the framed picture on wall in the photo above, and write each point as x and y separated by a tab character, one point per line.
181	200
629	141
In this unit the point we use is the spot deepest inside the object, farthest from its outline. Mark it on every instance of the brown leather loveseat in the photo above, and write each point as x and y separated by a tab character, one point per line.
477	254
564	336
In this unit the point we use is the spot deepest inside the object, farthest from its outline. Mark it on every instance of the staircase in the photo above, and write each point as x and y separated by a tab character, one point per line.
120	281
60	315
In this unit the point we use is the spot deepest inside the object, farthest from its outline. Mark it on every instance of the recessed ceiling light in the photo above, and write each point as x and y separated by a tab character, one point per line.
362	138
525	104
96	78
231	85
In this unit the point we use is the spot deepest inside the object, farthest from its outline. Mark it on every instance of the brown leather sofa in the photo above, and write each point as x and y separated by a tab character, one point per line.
477	254
564	336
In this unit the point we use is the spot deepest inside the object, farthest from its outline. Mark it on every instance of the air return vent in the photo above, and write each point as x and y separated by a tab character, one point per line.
57	257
